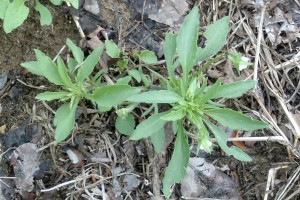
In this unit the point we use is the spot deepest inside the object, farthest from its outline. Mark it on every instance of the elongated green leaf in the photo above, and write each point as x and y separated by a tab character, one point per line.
235	120
76	51
124	81
148	57
187	40
3	6
235	89
159	96
15	15
45	15
216	35
56	2
112	49
49	96
48	67
64	121
112	95
148	127
158	139
209	93
89	64
221	137
33	67
174	115
63	73
169	48
135	74
176	169
125	125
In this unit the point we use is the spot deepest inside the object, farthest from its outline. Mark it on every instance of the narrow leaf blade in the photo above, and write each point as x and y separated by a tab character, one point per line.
216	35
235	89
235	120
76	51
33	67
112	95
64	121
45	15
15	15
159	96
176	169
169	48
49	96
158	139
3	6
89	64
221	137
148	127
112	49
186	42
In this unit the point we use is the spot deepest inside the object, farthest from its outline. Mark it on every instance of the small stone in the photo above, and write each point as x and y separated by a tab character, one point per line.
92	7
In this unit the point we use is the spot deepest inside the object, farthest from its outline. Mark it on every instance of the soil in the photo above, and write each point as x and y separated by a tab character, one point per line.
27	120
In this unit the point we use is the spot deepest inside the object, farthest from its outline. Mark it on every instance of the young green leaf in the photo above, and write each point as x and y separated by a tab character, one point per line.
124	81
176	169
89	64
235	89
158	139
48	67
122	63
187	40
222	140
15	15
125	125
235	120
33	67
56	2
72	63
169	48
148	57
135	74
45	15
63	73
209	93
3	6
64	121
174	115
112	95
49	96
157	96
148	127
112	49
76	51
216	35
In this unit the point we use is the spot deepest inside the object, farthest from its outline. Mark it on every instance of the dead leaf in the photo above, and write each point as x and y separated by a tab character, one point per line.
170	12
203	180
25	162
2	129
131	182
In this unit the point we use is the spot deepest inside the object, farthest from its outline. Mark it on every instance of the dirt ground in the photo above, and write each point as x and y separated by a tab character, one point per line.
114	167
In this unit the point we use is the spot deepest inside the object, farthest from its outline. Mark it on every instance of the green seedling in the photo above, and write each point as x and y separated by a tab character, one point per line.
76	83
15	12
191	100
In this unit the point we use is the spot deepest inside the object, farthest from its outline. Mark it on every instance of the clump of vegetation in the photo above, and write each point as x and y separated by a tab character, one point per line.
191	107
15	12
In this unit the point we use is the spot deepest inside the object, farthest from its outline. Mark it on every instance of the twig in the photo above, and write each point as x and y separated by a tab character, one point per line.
260	33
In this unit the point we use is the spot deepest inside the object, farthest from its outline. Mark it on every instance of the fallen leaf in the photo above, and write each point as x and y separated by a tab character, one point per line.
25	162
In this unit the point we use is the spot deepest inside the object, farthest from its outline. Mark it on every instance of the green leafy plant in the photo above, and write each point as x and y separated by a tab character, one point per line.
191	99
76	83
15	12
